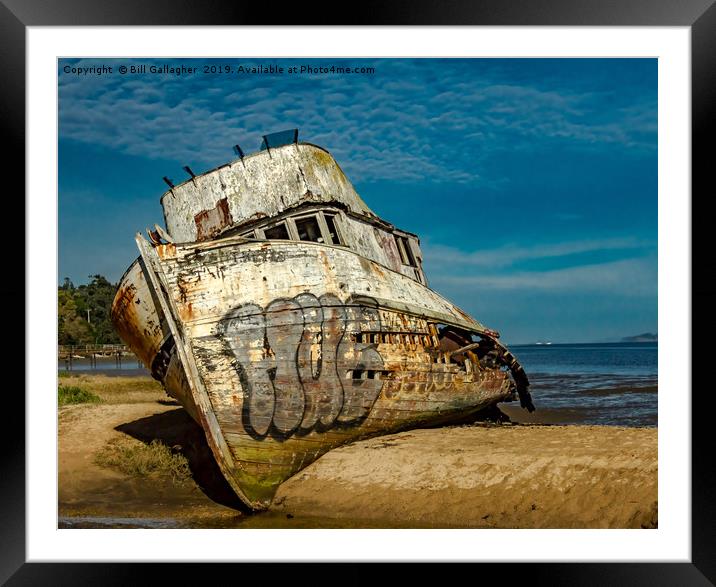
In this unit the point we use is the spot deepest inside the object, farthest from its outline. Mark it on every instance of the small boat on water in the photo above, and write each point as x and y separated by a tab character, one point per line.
288	319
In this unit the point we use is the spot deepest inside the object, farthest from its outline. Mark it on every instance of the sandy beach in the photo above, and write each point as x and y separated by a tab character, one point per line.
525	473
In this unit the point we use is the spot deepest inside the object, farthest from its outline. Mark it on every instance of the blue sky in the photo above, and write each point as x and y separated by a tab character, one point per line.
532	183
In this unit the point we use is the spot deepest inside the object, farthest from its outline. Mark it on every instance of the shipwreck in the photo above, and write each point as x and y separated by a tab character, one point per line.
289	319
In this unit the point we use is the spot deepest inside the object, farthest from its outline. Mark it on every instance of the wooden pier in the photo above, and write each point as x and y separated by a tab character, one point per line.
70	354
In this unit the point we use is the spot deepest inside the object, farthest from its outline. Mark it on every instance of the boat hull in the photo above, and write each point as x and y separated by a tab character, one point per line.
283	351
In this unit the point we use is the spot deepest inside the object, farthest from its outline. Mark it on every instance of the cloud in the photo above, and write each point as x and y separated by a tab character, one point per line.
628	278
501	270
444	256
411	121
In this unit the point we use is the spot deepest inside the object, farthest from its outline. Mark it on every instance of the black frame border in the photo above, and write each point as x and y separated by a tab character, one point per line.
699	15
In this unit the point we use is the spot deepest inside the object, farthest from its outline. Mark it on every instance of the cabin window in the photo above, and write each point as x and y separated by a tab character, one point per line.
406	254
332	231
249	234
278	232
308	229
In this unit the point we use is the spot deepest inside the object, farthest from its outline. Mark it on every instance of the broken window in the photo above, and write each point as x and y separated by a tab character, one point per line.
278	232
406	254
332	232
308	229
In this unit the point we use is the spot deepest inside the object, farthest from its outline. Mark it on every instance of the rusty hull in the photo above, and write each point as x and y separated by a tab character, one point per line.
135	317
284	350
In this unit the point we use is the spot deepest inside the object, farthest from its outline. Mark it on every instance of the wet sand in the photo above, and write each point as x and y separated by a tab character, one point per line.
479	476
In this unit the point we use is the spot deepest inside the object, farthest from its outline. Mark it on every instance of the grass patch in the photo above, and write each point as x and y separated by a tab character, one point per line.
137	459
75	395
118	389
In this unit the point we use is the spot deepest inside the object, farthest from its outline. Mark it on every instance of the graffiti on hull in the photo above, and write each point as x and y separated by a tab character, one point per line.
302	364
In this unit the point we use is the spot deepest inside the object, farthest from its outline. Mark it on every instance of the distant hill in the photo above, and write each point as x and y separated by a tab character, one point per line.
646	337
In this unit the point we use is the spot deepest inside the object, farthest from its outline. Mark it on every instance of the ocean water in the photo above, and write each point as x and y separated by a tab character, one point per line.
611	383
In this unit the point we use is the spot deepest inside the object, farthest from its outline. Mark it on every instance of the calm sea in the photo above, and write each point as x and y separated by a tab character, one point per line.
129	366
613	383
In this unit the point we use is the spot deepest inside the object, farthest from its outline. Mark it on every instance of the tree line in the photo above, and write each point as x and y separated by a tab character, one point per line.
83	312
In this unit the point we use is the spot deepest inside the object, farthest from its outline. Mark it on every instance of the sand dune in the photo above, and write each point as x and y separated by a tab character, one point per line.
504	476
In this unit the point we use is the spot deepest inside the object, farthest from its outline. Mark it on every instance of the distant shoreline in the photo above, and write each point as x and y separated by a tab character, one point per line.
562	344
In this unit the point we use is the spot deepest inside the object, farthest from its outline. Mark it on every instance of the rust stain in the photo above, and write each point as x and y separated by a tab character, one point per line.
325	262
141	335
209	223
166	251
187	312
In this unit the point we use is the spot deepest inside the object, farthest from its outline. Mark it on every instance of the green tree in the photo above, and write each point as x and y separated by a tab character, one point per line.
84	312
71	328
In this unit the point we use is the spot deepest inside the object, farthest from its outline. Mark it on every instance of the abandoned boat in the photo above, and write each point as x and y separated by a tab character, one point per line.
288	319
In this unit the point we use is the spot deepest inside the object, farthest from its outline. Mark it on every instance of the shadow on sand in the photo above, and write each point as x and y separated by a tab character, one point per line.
178	431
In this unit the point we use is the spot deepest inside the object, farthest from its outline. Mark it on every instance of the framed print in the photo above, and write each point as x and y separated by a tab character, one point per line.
335	233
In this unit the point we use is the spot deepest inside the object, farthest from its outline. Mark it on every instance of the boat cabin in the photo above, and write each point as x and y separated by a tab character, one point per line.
288	190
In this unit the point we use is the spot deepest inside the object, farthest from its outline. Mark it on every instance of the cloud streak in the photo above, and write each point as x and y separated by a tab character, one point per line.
634	274
400	124
625	278
505	256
